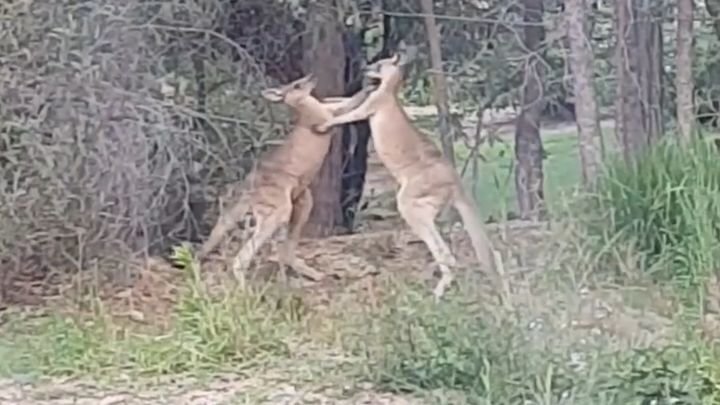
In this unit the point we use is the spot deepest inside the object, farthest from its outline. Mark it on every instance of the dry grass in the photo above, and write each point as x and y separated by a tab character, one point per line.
345	339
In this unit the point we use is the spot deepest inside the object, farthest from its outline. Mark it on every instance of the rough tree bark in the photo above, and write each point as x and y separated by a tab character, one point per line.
627	102
649	30
357	135
325	58
581	64
638	107
528	145
439	81
683	62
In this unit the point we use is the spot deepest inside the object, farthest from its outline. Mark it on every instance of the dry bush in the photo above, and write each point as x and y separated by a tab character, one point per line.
106	150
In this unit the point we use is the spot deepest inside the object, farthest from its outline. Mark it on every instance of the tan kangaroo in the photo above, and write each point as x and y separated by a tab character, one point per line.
428	183
276	191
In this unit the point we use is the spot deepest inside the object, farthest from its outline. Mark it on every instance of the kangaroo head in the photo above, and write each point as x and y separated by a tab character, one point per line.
387	72
292	93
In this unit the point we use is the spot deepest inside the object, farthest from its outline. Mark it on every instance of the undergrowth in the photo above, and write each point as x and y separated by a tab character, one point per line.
454	354
238	327
666	207
456	351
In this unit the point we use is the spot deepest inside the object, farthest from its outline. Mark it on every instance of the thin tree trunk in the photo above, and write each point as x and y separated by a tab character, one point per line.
439	81
683	61
528	145
325	57
581	64
650	50
638	108
629	128
356	136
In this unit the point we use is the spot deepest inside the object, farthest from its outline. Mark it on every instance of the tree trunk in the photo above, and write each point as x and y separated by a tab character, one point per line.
638	107
581	64
649	27
683	62
439	82
528	145
325	58
627	103
357	135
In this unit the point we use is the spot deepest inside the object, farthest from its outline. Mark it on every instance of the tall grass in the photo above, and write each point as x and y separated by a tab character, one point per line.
665	206
454	353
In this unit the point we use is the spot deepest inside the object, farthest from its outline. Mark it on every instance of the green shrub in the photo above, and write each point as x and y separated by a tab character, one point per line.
237	327
666	206
451	352
414	345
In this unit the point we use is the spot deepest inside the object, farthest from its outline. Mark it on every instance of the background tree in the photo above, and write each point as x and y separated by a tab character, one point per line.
325	57
528	145
581	64
639	64
684	75
439	82
368	38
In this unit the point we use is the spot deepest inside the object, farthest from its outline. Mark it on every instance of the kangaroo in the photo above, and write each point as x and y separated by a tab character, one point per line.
276	191
428	183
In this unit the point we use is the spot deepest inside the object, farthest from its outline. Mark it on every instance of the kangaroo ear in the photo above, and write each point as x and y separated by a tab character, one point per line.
395	59
312	80
272	94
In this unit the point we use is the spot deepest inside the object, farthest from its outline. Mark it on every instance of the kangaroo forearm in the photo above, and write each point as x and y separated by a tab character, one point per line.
362	112
344	105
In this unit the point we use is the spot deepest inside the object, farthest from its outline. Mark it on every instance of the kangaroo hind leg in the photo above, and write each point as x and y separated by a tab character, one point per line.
419	211
299	217
268	221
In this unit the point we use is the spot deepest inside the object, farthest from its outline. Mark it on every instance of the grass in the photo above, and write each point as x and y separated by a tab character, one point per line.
495	190
458	351
235	326
458	356
666	208
652	222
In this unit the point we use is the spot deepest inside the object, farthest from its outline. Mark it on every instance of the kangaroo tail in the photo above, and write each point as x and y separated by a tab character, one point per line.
227	221
474	227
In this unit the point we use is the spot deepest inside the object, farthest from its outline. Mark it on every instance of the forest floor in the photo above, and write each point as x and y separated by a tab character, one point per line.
362	274
328	343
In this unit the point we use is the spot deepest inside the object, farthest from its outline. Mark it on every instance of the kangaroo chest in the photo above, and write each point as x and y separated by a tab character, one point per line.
393	140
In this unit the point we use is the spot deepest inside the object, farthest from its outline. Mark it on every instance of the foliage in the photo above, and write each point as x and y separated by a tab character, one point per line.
454	351
242	327
106	147
117	117
666	207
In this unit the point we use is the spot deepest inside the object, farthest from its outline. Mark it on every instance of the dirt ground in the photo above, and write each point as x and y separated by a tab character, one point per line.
349	266
223	389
